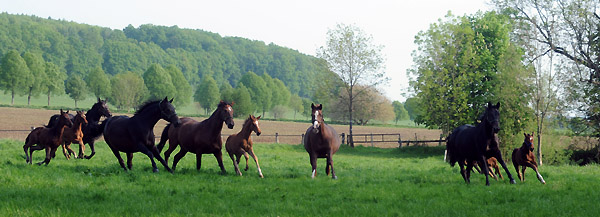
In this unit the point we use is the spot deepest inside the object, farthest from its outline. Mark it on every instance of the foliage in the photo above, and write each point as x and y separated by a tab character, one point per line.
76	88
207	94
259	92
159	83
98	83
183	90
37	68
296	104
14	74
55	83
279	111
227	92
370	105
128	90
413	107
400	112
242	106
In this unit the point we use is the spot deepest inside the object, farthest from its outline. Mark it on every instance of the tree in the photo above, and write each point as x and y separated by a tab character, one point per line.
307	109
399	112
370	105
128	90
76	88
98	83
351	54
15	75
207	94
55	83
183	90
159	83
242	105
296	104
227	92
260	94
37	67
412	106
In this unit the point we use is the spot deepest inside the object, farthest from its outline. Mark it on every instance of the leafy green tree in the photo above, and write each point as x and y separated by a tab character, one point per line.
413	107
15	75
242	105
307	109
259	93
76	88
98	83
207	94
283	93
37	67
227	92
296	104
399	111
55	83
183	90
159	83
128	90
351	54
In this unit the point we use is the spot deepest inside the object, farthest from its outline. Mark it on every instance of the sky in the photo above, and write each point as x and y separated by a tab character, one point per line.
299	25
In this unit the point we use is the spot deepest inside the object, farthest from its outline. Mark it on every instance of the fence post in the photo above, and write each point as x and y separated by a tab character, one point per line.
302	142
277	138
372	145
343	138
399	141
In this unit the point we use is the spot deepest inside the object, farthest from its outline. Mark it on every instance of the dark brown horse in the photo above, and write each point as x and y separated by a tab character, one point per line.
135	134
241	143
74	134
524	157
321	141
48	138
469	143
198	137
93	129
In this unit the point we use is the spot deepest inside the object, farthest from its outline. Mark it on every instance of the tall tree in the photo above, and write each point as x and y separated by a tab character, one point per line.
98	83
55	83
400	112
413	107
76	88
370	105
242	106
259	93
183	90
37	67
227	92
296	104
14	75
159	83
207	94
351	54
128	90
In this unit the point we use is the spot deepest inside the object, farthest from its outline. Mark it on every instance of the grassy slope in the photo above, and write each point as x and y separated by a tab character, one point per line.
412	181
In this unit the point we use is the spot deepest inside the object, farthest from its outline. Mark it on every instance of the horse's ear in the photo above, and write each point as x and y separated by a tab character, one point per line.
61	111
525	134
489	104
165	99
232	103
98	99
320	107
312	105
531	133
258	117
498	105
171	101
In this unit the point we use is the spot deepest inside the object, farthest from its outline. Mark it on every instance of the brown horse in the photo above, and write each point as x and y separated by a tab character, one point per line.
493	168
321	141
74	134
198	137
48	138
241	143
524	157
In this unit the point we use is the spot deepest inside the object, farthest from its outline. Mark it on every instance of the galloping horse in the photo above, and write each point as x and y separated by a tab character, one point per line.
48	138
135	134
74	134
321	141
198	137
93	129
469	143
241	143
524	157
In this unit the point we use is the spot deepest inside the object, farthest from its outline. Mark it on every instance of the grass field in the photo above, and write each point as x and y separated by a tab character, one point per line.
412	181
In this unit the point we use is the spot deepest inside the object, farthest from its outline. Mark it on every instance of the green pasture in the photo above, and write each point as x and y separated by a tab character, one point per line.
412	181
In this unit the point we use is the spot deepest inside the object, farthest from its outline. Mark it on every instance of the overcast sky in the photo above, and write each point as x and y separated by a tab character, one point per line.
299	25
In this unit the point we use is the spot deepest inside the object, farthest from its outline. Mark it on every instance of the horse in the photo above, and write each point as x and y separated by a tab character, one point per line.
93	129
468	143
321	141
48	138
135	134
241	143
198	137
493	168
524	157
74	134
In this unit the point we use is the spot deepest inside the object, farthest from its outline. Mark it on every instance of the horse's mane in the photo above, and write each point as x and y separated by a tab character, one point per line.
247	121
146	105
223	103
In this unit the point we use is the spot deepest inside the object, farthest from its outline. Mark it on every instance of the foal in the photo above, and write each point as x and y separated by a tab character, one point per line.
74	135
46	138
524	157
241	143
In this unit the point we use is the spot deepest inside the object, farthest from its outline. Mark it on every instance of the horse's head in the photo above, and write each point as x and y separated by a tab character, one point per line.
101	108
80	118
254	123
167	112
528	142
491	117
317	117
226	113
64	120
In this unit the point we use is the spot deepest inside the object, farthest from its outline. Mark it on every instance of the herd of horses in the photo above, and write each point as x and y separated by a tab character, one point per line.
469	145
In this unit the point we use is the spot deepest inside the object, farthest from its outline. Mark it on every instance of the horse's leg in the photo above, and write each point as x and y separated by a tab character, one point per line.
330	164
48	156
129	160
463	172
313	164
178	157
501	161
486	169
65	152
69	149
219	155
523	173
31	150
255	160
116	153
235	163
170	150
468	171
142	148
160	159
497	169
91	143
246	156
539	176
25	149
81	149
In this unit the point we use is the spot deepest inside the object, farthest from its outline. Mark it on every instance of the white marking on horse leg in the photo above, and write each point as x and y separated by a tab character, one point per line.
541	178
314	173
260	173
445	155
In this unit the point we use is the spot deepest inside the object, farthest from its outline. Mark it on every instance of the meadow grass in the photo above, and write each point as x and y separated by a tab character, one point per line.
412	181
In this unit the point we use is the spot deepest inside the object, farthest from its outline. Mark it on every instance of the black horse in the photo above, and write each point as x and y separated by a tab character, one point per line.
469	143
135	134
93	129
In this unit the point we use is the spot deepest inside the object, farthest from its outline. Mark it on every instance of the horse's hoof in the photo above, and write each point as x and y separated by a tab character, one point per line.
512	181
334	177
155	170
261	175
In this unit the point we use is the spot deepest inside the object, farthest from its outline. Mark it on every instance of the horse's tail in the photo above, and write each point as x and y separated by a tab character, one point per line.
163	138
449	153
